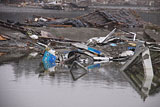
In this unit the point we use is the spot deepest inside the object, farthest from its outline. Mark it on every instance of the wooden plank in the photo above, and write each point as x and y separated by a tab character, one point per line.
2	38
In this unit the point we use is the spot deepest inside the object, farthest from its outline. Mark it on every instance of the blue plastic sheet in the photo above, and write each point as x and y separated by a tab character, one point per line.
94	66
48	60
94	50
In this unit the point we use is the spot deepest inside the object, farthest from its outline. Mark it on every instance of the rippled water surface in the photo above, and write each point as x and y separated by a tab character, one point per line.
22	86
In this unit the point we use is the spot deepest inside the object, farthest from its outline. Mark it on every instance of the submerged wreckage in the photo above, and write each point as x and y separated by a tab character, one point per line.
121	46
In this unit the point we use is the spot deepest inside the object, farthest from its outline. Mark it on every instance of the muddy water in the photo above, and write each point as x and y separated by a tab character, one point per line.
22	86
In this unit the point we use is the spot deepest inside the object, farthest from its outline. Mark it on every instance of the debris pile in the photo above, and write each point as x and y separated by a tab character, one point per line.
117	46
102	18
152	32
63	6
136	52
38	21
98	19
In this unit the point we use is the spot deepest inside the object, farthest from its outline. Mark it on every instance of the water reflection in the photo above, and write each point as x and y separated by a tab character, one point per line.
103	74
145	81
107	73
93	89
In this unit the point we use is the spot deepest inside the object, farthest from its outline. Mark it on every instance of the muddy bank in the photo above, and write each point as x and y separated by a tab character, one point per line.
20	42
81	34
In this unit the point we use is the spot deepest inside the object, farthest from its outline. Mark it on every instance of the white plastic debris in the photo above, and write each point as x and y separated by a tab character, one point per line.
53	52
101	39
54	3
43	19
33	54
96	39
147	63
127	53
36	19
134	35
34	37
101	58
148	71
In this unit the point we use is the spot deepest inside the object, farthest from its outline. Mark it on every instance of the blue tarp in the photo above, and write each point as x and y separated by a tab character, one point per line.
94	50
48	60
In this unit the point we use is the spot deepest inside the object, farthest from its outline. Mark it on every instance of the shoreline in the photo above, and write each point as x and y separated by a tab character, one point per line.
91	7
21	13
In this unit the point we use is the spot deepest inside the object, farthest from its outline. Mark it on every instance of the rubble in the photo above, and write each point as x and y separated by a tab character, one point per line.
102	18
98	19
63	6
152	32
53	6
84	44
117	45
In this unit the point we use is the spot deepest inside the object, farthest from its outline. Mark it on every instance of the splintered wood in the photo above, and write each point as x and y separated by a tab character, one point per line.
2	38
